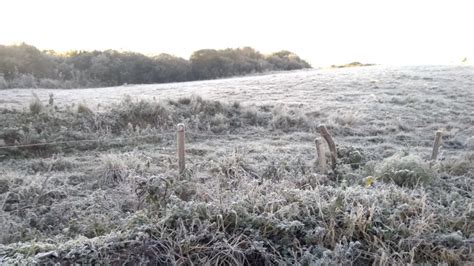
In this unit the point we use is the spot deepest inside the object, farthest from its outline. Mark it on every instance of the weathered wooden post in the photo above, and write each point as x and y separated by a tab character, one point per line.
436	144
181	158
332	146
321	156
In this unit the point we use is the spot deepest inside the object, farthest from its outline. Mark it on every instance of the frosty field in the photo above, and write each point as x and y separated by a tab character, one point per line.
108	191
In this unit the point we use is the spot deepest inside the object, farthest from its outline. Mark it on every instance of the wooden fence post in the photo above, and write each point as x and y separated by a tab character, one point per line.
436	144
180	138
332	146
321	156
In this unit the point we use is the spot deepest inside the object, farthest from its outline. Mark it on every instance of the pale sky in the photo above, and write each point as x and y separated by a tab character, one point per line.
322	32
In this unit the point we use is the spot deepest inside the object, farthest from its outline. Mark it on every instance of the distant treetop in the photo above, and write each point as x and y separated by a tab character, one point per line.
24	66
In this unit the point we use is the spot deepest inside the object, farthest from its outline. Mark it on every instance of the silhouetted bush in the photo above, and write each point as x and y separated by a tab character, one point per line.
168	68
24	66
285	60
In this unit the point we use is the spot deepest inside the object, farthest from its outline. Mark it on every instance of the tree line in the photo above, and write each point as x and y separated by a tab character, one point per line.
24	66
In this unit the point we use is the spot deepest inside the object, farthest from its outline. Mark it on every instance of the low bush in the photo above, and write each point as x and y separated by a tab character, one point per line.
458	166
405	169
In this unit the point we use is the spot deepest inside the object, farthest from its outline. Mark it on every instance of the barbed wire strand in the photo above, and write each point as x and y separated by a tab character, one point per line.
78	141
161	134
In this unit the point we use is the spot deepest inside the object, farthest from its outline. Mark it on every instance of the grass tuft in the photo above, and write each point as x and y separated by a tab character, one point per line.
82	108
113	169
36	106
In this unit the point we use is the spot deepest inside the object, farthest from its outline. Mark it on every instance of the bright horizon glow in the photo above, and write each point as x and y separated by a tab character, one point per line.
321	32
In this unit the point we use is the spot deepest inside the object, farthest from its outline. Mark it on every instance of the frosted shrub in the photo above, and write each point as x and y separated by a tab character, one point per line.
24	81
404	170
49	84
113	169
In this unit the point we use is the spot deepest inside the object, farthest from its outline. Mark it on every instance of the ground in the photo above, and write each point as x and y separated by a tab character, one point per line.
252	192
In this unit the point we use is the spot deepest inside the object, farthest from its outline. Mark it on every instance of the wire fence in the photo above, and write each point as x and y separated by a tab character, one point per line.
121	139
181	151
75	142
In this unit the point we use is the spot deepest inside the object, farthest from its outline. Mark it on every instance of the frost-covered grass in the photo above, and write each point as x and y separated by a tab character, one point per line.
240	219
252	193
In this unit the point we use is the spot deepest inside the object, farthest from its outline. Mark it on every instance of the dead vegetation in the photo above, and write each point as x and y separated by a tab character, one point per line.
44	125
250	221
252	193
